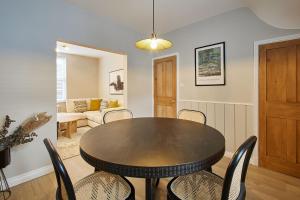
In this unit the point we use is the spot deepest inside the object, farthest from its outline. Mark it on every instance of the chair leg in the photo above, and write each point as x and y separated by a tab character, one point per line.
157	182
209	169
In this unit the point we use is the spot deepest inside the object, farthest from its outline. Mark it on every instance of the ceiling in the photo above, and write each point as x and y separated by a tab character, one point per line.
174	14
62	47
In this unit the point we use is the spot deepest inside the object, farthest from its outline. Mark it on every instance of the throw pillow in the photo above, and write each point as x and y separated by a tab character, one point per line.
113	104
95	104
103	105
80	106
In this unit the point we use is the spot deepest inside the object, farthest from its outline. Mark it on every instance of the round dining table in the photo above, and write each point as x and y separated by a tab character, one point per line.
152	148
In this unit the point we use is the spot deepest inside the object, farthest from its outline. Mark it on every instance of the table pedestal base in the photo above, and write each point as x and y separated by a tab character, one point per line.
149	189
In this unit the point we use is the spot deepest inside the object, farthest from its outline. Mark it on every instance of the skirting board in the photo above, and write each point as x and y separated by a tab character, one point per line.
253	160
16	180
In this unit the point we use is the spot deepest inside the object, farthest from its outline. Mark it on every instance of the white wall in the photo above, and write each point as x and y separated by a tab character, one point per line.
82	76
29	31
239	29
111	62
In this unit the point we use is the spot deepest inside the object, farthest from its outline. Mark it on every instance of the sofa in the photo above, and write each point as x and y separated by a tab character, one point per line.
65	110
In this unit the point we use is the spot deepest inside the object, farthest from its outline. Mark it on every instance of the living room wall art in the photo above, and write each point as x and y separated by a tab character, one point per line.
116	82
210	65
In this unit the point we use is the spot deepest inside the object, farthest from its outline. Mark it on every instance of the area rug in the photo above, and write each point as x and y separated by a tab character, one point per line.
69	147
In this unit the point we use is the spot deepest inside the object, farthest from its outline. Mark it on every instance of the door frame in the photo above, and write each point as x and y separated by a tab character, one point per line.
177	78
255	158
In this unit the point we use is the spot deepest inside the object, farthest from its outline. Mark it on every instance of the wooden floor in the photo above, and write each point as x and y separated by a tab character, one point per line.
261	184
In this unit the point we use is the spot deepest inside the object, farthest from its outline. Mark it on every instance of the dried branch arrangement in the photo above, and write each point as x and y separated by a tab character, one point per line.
23	133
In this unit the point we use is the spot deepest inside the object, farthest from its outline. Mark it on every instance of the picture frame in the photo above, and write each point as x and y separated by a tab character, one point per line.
210	65
116	82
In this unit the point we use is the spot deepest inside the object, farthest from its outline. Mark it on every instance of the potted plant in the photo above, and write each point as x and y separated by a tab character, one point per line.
21	135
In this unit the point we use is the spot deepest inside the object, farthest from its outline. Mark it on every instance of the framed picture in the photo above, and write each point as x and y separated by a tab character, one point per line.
210	65
116	82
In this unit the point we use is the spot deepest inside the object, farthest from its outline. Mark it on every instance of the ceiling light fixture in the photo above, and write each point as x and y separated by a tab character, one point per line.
153	43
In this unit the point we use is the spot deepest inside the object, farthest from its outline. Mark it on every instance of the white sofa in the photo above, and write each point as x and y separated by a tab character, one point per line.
88	118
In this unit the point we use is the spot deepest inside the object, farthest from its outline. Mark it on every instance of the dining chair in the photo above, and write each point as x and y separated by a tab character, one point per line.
207	185
115	115
192	115
99	185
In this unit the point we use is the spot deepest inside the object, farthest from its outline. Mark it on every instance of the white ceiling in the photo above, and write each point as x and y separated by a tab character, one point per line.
174	14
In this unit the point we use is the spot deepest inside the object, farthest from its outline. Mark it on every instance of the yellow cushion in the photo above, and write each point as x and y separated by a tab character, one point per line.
95	104
113	104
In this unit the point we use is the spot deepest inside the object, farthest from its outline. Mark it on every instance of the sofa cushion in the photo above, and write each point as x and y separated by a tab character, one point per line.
95	104
70	104
94	116
113	104
80	106
62	117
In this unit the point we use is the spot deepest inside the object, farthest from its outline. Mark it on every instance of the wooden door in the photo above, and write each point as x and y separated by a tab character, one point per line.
279	107
165	87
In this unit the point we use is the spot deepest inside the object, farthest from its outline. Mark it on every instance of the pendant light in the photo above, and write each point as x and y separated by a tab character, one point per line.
153	43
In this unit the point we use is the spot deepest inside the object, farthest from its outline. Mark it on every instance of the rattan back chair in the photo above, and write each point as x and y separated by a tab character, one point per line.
99	185
115	115
207	185
192	115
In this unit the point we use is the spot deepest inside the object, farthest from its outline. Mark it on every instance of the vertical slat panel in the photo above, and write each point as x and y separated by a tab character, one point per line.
211	121
180	105
194	105
249	124
240	124
187	105
202	108
234	121
229	128
220	126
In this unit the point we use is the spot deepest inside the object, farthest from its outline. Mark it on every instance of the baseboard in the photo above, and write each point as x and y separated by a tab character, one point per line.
253	160
16	180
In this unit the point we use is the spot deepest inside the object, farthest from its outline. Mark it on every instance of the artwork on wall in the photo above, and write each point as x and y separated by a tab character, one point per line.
210	65
116	82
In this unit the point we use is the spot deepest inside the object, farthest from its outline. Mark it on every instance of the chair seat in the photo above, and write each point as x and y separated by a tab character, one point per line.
200	185
102	185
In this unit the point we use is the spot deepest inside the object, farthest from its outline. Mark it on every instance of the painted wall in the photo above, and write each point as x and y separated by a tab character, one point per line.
29	31
82	76
239	29
111	62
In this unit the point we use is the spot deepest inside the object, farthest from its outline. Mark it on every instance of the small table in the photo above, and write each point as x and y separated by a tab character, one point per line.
66	125
152	148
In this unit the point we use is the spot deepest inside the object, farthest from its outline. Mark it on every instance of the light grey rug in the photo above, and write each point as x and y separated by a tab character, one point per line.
69	147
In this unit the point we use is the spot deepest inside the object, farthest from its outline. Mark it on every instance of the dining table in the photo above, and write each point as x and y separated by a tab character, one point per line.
152	148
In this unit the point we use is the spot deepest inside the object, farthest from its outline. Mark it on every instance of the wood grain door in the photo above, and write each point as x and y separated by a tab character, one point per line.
279	107
165	87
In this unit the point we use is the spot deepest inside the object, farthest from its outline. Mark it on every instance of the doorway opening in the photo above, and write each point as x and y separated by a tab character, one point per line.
90	82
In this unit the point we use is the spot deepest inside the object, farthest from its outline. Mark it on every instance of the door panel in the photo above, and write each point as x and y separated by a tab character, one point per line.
276	74
165	87
275	137
279	107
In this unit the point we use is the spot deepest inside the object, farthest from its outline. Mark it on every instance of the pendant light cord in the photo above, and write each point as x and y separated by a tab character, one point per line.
153	18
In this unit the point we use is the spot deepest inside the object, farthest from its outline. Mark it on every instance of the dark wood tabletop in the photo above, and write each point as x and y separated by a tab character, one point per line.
152	147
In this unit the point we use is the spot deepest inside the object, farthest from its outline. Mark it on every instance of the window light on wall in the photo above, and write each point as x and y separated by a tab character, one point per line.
61	78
